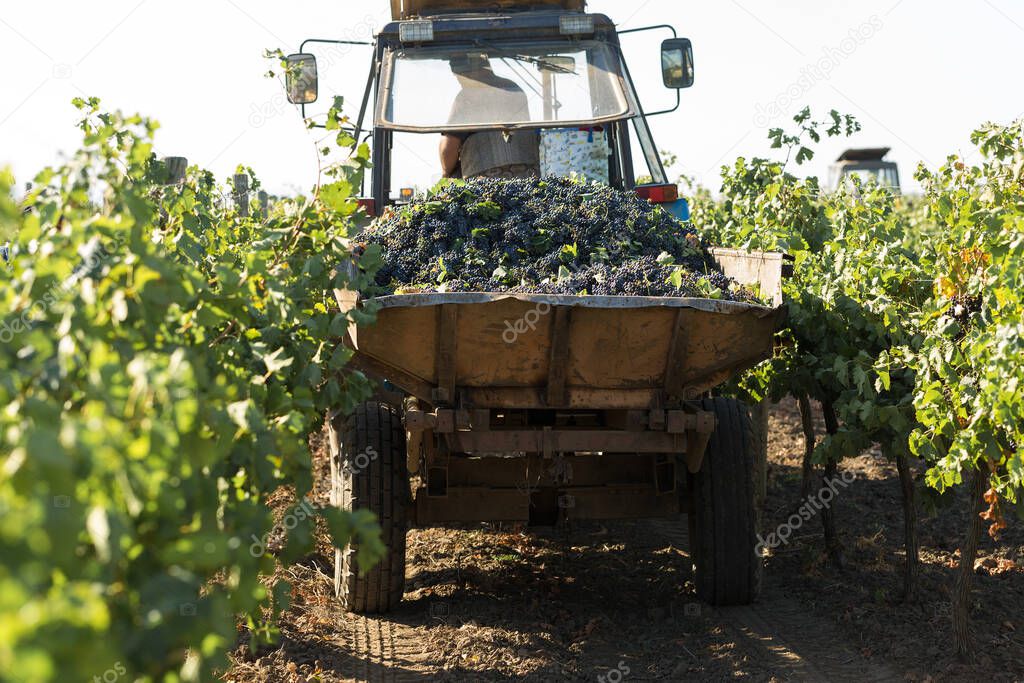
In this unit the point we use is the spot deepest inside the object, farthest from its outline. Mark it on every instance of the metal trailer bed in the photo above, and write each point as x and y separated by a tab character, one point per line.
540	409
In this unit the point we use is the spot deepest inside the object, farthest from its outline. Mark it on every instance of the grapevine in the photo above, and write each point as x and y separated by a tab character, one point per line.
163	363
905	320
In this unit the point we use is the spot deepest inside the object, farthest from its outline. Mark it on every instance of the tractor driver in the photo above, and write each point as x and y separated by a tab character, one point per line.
485	96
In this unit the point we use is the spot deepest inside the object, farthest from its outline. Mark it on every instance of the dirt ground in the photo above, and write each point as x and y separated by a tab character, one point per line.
615	602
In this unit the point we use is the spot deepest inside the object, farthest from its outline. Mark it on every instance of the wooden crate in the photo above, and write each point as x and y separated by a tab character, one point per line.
404	9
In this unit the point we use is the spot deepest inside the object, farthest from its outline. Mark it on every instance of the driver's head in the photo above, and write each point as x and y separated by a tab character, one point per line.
470	64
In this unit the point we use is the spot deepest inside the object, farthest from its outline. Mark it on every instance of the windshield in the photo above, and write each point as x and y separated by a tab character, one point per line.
886	177
501	87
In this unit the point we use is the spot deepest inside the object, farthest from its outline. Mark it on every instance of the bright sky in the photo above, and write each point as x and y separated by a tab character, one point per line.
919	74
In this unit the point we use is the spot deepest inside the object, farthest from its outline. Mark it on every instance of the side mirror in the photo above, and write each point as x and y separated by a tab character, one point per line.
677	63
301	79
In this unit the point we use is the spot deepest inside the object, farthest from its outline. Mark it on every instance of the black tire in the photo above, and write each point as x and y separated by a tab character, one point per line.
724	523
368	472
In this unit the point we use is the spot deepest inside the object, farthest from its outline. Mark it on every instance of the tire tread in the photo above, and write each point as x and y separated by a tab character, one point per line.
724	531
383	488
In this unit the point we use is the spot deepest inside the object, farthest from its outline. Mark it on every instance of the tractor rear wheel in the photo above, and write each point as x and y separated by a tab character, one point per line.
724	523
368	471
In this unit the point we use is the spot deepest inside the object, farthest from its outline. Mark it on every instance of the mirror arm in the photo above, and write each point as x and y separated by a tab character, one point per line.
679	101
651	28
324	41
302	48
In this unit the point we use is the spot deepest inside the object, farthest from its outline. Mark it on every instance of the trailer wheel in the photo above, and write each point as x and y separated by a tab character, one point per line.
723	526
368	471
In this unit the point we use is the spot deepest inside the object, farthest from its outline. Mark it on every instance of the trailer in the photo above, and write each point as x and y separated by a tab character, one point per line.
540	410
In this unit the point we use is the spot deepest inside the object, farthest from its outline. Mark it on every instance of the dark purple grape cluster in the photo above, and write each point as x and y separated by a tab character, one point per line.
551	236
964	310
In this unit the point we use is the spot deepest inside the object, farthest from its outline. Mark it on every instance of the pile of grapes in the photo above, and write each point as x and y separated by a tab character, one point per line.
552	236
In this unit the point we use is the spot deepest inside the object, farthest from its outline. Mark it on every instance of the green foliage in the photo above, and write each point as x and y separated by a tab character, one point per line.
163	362
852	287
971	361
903	315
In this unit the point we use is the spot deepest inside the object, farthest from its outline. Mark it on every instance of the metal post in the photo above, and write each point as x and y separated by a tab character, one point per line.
241	183
176	169
264	205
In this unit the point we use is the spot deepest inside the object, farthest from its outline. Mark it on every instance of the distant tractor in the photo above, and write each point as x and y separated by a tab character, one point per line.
869	165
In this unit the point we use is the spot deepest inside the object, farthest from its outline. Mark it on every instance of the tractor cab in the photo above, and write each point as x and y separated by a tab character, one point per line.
543	83
867	164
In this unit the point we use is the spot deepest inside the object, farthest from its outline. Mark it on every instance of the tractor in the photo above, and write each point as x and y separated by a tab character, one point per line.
606	409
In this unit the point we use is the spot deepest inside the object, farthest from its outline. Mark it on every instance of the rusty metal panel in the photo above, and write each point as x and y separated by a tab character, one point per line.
610	486
480	420
676	362
533	398
508	350
616	302
409	383
405	9
528	473
723	343
612	348
447	352
472	505
558	366
678	422
418	421
619	502
445	422
508	473
566	441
